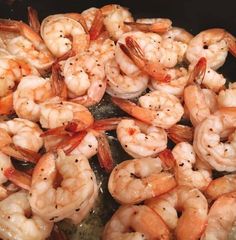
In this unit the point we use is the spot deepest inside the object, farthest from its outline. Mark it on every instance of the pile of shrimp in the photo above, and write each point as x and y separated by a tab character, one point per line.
52	73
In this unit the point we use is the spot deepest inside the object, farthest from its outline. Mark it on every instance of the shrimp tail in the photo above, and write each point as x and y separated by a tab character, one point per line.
57	234
9	26
6	104
106	124
58	131
231	41
97	26
104	152
33	19
199	70
19	178
167	159
180	133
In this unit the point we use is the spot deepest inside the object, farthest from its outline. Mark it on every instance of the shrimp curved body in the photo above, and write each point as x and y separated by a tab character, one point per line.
56	113
16	221
27	45
193	205
221	218
24	133
227	97
55	201
185	160
213	44
31	91
85	79
144	222
178	34
141	140
133	181
58	30
207	140
89	15
157	108
121	85
220	186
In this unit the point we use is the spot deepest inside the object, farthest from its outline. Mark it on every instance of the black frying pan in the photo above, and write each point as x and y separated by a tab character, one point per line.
193	15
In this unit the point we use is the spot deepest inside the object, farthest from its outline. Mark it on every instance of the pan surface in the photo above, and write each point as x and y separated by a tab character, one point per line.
192	15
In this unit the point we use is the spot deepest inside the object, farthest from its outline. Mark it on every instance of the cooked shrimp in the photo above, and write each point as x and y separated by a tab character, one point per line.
53	200
213	44
207	140
85	79
121	85
31	91
133	181
178	34
33	19
156	108
179	79
186	175
56	113
135	222
141	140
28	45
18	222
64	32
220	186
89	15
157	25
221	218
23	133
193	205
227	97
114	18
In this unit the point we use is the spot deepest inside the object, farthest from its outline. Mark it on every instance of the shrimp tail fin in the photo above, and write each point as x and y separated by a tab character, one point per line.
106	124
104	153
198	71
180	133
6	104
33	19
19	178
231	41
97	26
167	159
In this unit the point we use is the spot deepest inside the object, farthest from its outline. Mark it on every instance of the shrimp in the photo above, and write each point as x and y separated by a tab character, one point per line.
17	221
220	186
64	32
62	114
193	205
157	25
227	97
135	222
141	140
27	45
178	34
89	15
185	174
84	77
213	44
179	79
115	17
221	218
31	91
207	140
54	199
156	108
133	181
22	133
121	85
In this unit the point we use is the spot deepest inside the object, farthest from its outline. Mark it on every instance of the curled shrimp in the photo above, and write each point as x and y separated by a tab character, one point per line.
62	114
53	200
185	174
193	205
213	44
28	45
31	91
64	32
227	97
17	221
139	139
121	85
133	181
178	34
220	218
156	108
144	222
208	140
220	186
84	77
